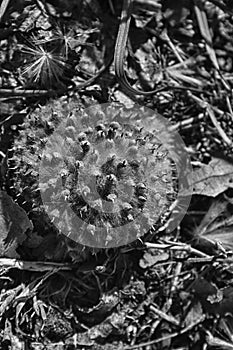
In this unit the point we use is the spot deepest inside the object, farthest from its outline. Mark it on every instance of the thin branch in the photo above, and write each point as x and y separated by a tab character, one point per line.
210	110
3	8
176	246
23	92
170	336
164	316
39	266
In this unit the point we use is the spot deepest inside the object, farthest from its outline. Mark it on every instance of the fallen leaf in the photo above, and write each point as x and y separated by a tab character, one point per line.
213	300
216	209
194	314
13	225
216	227
214	178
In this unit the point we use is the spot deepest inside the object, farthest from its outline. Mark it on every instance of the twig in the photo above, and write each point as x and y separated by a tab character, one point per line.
173	335
174	285
11	118
23	92
3	8
31	289
41	6
187	123
210	110
176	246
164	316
41	266
164	36
229	107
111	7
33	265
221	132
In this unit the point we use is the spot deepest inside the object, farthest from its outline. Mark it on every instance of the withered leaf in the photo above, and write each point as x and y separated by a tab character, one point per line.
214	178
13	225
213	300
216	227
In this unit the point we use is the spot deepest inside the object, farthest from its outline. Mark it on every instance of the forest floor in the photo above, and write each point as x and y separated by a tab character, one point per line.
166	290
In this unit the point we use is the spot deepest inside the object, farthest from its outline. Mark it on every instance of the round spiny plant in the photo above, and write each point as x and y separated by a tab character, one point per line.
107	174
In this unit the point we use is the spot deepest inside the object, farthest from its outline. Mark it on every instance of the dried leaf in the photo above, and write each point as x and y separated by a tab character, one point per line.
13	225
212	299
194	314
214	178
215	229
215	210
